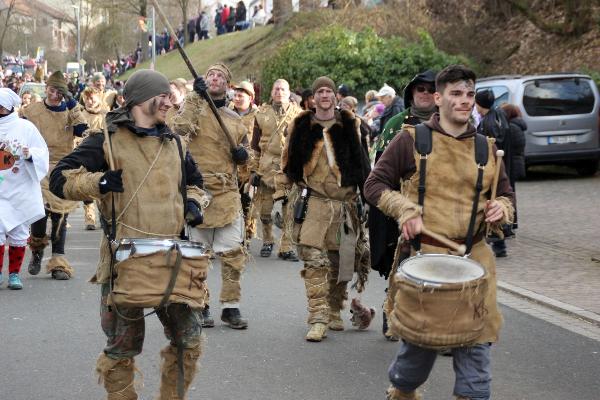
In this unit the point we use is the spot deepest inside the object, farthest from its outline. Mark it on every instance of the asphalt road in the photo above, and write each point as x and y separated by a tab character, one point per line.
50	338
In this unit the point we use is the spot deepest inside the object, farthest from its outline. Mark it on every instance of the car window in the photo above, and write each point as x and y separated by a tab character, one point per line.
545	97
500	93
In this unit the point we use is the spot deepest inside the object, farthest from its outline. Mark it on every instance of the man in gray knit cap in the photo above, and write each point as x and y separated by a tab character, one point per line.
148	168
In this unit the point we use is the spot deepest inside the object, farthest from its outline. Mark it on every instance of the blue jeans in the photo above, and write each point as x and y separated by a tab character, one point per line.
413	364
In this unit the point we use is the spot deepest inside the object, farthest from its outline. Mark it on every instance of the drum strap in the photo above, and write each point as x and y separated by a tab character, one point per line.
183	182
424	146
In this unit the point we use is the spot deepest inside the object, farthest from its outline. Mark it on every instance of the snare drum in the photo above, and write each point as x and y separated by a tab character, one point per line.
439	301
152	272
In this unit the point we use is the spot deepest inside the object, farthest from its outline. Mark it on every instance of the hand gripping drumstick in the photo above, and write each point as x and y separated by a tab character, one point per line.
459	248
211	104
499	155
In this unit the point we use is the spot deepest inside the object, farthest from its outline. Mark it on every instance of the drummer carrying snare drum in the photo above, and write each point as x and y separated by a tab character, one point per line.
451	203
144	193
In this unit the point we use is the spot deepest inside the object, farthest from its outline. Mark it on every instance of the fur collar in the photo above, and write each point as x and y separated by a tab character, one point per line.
346	149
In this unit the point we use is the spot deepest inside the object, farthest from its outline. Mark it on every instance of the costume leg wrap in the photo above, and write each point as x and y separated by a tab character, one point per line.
232	266
337	291
266	207
38	243
89	212
285	243
396	394
168	371
59	263
118	377
317	287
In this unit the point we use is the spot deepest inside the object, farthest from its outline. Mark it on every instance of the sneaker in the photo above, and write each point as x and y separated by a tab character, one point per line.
90	227
266	250
288	256
35	264
14	282
317	332
233	318
207	319
60	275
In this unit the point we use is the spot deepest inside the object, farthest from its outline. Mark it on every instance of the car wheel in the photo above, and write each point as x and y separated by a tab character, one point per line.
587	168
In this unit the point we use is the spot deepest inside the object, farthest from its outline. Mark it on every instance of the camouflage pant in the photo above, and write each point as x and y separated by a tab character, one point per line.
125	338
266	203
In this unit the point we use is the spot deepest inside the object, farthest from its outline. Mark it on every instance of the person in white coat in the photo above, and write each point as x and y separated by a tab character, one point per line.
23	164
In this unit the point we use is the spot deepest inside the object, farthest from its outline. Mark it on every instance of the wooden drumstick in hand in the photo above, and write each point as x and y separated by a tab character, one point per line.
459	248
499	155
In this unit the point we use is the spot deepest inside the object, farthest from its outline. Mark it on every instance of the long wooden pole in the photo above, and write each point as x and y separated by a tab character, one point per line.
232	144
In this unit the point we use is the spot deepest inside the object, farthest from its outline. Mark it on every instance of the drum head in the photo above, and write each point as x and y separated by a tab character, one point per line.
129	246
441	268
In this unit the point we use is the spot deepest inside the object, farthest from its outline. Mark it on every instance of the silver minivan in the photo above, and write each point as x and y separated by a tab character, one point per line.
562	112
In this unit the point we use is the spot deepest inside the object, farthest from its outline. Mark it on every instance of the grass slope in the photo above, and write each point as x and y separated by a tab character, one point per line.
241	51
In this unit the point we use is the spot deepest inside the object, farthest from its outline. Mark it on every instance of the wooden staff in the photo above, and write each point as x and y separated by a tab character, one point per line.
499	155
232	144
459	248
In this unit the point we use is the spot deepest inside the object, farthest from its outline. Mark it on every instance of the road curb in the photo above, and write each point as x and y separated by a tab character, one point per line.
565	308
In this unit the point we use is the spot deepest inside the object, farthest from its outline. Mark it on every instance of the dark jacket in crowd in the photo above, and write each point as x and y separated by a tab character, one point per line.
515	164
396	107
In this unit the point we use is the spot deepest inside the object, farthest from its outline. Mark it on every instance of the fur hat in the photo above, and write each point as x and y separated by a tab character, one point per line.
220	67
485	99
323	81
57	80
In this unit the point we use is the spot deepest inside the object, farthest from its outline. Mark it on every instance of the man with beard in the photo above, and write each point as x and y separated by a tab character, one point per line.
326	157
443	200
58	118
268	139
243	105
383	231
223	226
151	165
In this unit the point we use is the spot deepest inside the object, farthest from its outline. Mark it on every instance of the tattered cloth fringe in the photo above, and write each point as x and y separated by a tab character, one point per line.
106	364
38	244
397	206
509	213
59	263
81	184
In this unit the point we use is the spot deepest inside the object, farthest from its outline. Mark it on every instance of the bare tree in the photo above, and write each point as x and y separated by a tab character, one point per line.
183	5
5	15
578	16
282	11
309	5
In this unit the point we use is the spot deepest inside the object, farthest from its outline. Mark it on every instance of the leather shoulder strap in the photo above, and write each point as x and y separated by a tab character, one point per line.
423	140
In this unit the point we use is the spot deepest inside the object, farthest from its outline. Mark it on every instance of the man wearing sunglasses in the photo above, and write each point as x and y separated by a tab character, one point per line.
383	231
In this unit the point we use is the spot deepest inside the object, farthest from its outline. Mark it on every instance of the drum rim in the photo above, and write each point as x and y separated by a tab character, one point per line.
146	241
430	255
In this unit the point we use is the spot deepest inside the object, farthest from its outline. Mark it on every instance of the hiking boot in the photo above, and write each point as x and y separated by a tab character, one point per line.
35	264
288	256
14	282
384	329
90	227
207	319
335	321
317	332
233	318
266	250
60	275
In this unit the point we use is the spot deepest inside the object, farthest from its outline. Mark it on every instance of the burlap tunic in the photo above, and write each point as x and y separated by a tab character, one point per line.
57	129
210	149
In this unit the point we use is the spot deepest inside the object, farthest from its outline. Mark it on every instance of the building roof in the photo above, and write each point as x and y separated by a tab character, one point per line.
32	8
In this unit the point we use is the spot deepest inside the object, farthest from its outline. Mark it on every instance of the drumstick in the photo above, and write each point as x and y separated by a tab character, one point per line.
459	248
499	155
111	161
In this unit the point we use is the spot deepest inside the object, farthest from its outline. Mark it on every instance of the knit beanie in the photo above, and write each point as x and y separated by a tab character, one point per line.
143	85
323	81
485	99
220	67
57	80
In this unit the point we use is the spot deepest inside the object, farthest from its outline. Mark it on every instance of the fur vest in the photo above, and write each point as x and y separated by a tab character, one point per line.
343	141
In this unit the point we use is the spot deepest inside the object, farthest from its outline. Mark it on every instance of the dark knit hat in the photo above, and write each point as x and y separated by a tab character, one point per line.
220	67
143	85
485	98
323	81
343	90
57	80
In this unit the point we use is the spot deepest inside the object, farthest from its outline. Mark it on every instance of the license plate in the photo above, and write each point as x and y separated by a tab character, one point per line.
562	139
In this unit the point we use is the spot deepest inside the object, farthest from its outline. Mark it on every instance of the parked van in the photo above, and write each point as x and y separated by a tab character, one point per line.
562	112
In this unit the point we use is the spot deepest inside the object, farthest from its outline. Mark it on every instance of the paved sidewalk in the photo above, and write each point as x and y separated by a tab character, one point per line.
552	259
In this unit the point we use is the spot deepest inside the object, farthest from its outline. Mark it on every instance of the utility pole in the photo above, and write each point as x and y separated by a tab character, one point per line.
78	38
153	38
